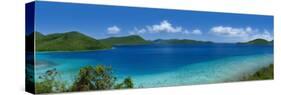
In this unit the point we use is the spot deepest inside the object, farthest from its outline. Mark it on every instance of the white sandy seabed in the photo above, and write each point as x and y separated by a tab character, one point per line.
215	71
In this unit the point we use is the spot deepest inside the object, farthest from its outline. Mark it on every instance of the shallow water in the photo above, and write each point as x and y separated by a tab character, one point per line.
221	70
165	65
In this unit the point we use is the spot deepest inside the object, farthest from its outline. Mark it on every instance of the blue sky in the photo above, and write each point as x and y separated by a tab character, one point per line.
106	21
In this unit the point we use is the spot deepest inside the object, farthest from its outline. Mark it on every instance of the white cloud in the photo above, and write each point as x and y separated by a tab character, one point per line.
196	32
138	31
193	32
113	30
264	35
245	34
231	32
164	26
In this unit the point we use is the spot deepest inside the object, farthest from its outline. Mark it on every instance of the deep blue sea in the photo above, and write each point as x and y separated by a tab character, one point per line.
164	65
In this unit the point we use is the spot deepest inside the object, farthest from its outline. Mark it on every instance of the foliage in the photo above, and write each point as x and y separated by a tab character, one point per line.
94	78
75	41
48	83
69	41
258	42
263	74
127	83
127	40
90	77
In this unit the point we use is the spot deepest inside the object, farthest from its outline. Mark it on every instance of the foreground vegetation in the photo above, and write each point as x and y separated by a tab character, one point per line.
89	78
262	74
101	77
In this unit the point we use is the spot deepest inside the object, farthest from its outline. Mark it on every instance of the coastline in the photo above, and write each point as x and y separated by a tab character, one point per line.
75	50
111	48
87	50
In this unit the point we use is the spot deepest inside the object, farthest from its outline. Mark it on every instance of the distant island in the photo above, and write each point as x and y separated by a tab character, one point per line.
180	41
76	41
257	42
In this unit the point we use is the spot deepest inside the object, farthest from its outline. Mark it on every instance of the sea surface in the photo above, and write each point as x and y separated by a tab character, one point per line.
163	65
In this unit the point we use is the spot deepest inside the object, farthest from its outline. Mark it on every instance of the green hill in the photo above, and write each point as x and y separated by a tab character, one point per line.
177	41
38	34
272	42
258	42
69	41
126	40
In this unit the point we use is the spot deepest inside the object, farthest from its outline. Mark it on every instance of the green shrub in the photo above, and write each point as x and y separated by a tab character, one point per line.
48	83
94	78
127	83
97	77
263	74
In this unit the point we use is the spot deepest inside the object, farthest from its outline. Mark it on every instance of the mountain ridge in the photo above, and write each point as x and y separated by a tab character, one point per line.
68	41
125	40
76	41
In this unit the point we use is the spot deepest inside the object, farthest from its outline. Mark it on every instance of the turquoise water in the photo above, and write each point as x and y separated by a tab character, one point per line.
164	65
232	69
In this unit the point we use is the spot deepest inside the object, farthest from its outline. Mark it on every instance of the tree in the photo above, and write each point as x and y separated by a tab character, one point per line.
90	77
94	78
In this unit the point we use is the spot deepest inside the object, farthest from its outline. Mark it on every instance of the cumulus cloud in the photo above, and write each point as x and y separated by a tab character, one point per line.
113	30
138	31
246	33
164	27
230	31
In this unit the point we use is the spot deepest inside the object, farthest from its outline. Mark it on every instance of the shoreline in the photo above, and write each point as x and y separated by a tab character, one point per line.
74	50
124	45
85	50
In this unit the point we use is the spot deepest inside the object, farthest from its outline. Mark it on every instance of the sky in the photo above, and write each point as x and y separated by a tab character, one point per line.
100	21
